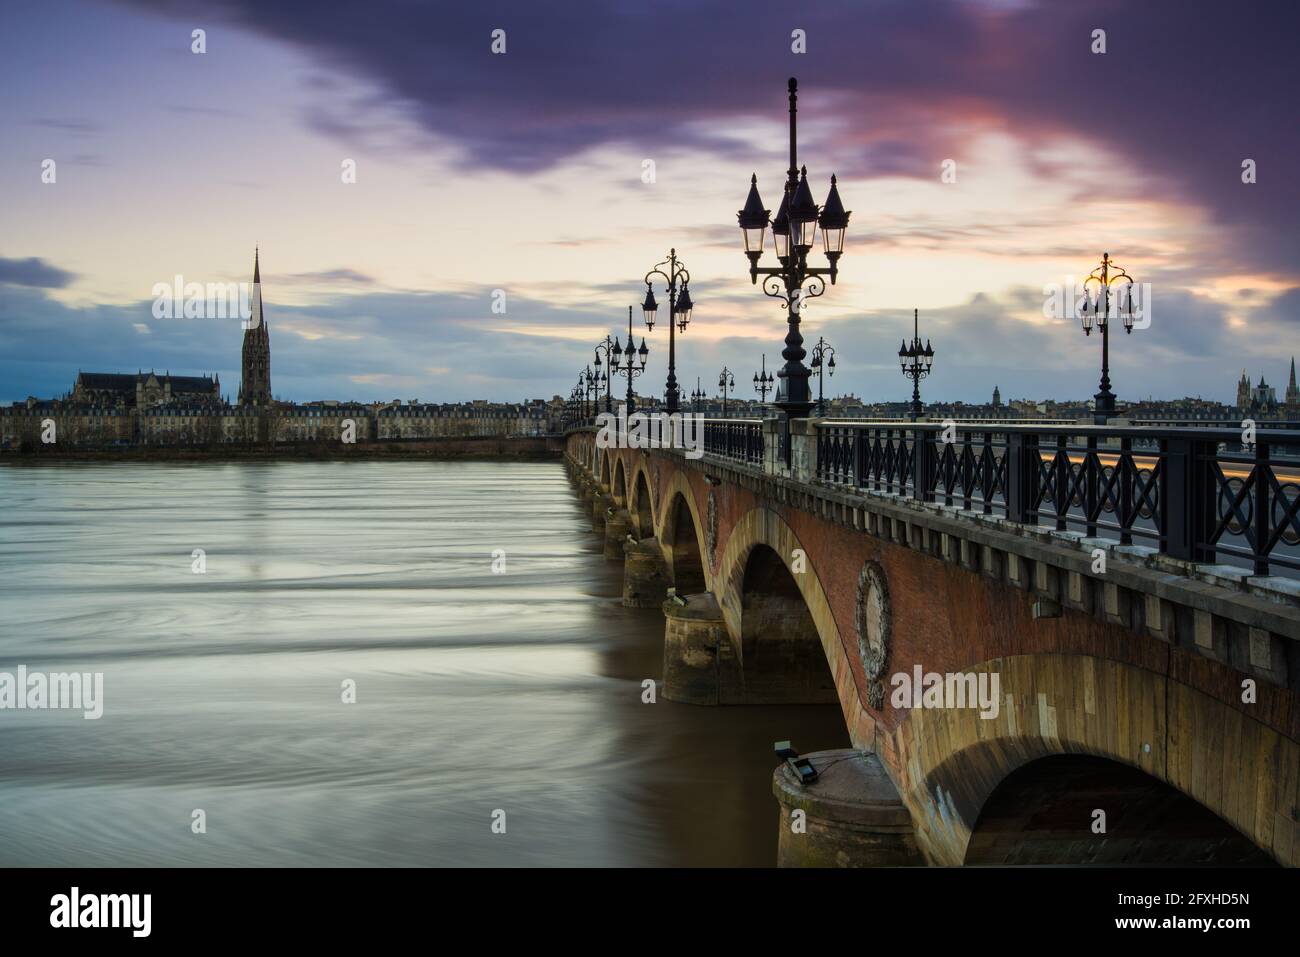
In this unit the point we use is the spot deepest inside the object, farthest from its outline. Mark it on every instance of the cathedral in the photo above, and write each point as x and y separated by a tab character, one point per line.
144	390
149	390
1263	397
255	383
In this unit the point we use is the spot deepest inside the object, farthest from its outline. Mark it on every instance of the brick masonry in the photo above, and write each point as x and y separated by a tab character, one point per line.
1144	664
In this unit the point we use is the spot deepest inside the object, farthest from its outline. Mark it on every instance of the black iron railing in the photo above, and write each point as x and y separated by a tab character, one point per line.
1181	490
1196	494
740	440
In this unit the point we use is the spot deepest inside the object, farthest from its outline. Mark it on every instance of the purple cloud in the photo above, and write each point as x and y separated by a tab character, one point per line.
34	272
1184	92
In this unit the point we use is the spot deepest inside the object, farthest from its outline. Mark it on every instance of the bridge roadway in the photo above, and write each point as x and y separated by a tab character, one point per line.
1050	643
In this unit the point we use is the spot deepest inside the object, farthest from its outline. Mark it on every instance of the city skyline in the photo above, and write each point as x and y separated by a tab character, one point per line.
385	287
255	325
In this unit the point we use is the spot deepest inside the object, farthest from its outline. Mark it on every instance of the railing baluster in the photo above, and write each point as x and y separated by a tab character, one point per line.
1062	465
967	472
922	466
1263	481
1091	474
1126	467
1193	498
986	468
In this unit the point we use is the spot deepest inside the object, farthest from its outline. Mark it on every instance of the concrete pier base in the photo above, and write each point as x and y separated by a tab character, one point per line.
617	526
599	506
699	662
645	574
852	815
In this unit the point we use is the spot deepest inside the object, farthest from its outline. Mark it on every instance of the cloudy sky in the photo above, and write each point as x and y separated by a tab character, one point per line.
523	172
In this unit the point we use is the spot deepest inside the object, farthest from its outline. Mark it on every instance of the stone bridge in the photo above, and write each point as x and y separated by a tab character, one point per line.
1057	645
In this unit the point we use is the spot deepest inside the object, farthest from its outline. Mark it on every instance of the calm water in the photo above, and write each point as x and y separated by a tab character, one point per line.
475	691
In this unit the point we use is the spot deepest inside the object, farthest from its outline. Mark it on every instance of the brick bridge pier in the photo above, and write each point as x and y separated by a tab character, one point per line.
1049	644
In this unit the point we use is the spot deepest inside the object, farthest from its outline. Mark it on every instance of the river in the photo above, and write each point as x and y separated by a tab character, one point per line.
475	691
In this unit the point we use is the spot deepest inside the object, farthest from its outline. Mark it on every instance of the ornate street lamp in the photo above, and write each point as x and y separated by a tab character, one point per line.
726	381
793	233
679	315
1096	312
823	360
630	367
763	382
571	407
916	361
605	348
698	396
592	393
580	392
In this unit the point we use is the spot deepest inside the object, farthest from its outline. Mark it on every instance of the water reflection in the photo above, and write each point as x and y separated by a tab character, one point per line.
475	691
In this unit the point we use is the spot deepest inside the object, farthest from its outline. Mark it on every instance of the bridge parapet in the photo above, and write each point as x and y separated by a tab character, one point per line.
1104	646
739	440
1123	523
1178	491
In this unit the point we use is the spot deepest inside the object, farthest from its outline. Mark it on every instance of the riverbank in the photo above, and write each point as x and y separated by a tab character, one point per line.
514	448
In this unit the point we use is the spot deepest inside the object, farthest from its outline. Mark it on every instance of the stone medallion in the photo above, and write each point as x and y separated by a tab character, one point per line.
874	624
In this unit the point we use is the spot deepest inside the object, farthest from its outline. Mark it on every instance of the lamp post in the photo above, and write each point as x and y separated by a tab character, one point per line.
698	396
605	348
593	390
580	391
726	381
630	368
1096	311
823	360
679	315
763	383
793	281
571	412
915	361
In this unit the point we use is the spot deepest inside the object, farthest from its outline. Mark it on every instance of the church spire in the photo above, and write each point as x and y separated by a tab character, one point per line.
255	387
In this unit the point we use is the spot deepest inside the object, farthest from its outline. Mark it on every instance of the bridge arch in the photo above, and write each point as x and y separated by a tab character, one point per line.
681	537
641	503
1080	809
683	547
602	467
780	648
619	490
764	528
951	761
